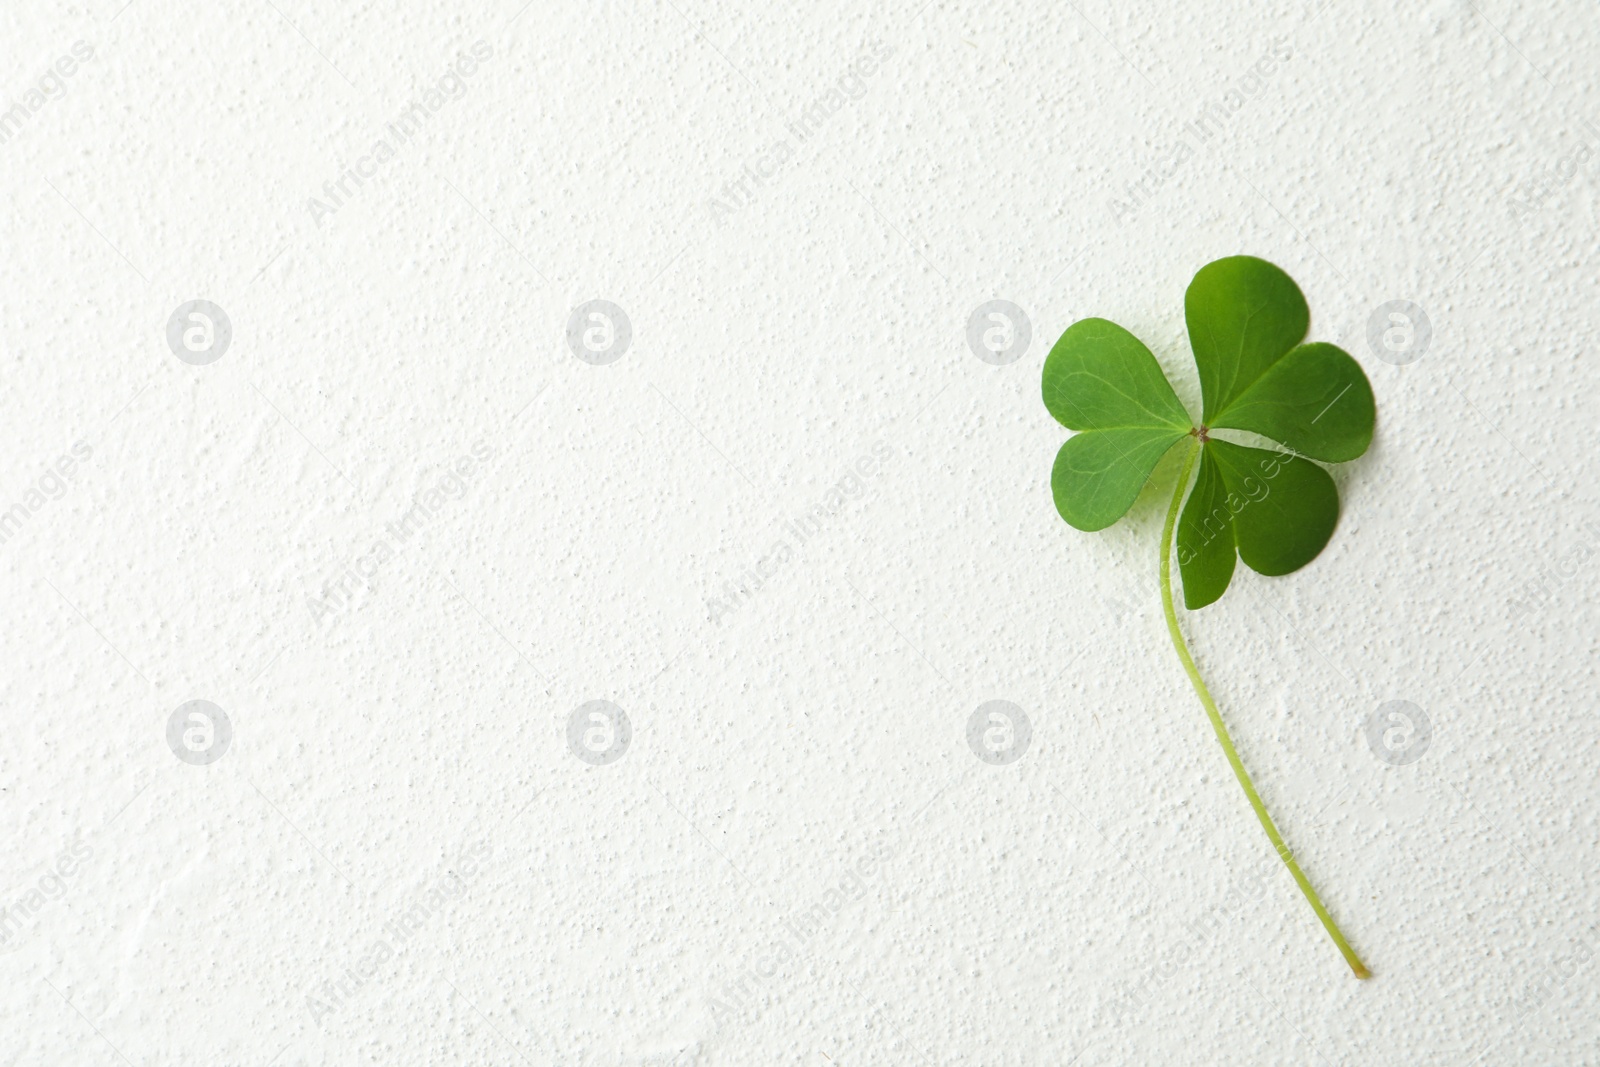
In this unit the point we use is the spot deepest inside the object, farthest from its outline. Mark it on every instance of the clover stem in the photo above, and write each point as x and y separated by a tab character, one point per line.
1204	694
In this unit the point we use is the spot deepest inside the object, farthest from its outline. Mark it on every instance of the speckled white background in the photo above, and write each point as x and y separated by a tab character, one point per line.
1106	899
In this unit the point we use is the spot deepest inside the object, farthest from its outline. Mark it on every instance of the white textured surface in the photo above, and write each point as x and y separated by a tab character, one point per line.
807	747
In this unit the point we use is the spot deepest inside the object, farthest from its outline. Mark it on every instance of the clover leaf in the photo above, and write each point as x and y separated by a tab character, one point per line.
1273	509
